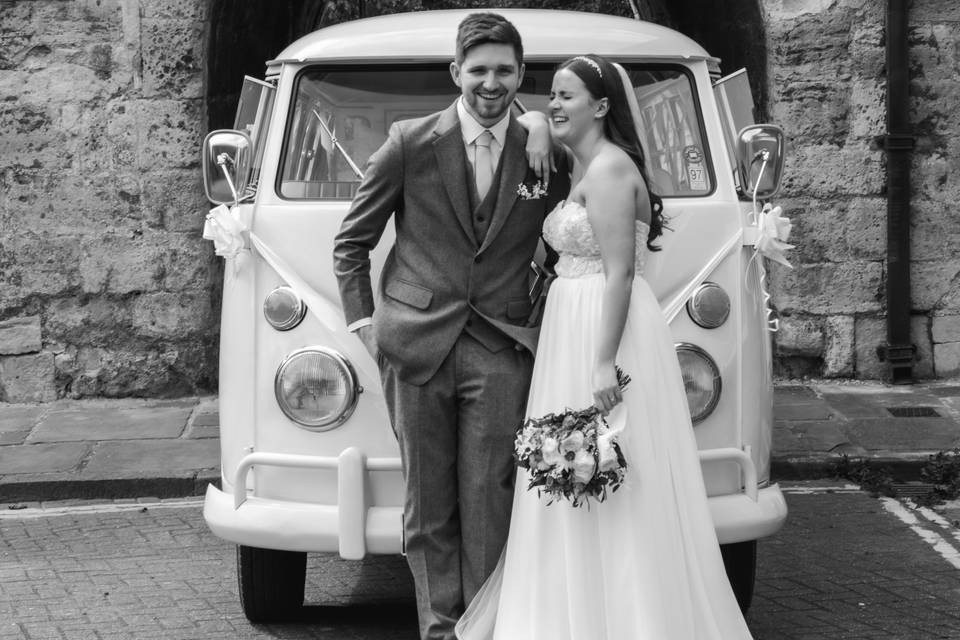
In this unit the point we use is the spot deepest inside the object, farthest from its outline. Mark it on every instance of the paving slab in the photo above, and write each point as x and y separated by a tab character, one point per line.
855	405
13	437
816	435
811	409
150	458
112	423
903	434
42	458
21	417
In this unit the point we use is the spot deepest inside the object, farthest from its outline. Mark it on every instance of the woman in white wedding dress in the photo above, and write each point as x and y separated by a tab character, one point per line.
644	564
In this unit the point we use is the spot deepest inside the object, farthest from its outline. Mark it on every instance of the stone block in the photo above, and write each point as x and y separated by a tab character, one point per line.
88	320
935	230
838	354
195	10
836	229
821	170
175	201
43	263
170	315
945	329
931	283
871	332
800	336
172	131
947	355
828	288
117	264
172	57
27	378
188	262
20	335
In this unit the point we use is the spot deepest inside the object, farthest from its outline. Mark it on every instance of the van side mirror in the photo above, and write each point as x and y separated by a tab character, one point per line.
760	152
226	165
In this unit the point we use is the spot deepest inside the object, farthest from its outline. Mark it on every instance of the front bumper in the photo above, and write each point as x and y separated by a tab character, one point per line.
354	528
351	527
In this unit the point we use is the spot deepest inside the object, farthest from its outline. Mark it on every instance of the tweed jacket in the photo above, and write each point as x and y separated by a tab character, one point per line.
437	270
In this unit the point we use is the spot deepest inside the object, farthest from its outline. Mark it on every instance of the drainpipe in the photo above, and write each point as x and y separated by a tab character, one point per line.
898	142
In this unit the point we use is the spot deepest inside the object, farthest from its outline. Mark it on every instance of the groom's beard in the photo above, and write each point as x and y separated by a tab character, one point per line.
491	110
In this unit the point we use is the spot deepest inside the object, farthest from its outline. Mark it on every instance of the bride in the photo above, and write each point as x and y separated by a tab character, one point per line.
644	564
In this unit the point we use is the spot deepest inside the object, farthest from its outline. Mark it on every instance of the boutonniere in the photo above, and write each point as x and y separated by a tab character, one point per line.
533	191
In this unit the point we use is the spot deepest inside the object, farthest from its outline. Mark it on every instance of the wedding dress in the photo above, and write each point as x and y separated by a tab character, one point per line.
644	564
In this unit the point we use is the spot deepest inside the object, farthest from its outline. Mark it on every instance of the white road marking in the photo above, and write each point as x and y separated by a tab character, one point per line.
946	550
10	512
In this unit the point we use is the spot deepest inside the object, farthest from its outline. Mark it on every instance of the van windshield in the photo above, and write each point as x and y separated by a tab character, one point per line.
341	115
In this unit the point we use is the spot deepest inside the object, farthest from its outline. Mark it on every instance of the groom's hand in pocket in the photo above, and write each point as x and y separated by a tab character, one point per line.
369	340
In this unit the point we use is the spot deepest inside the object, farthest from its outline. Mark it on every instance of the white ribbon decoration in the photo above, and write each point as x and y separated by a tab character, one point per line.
224	227
773	231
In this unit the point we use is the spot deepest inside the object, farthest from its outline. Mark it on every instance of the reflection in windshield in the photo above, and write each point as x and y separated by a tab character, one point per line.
340	117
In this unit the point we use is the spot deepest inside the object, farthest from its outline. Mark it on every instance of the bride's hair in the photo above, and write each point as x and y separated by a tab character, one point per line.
603	81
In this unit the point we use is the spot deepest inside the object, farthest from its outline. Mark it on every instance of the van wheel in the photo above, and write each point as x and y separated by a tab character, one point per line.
740	561
271	583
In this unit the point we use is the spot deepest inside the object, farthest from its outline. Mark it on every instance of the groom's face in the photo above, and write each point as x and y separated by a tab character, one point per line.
488	77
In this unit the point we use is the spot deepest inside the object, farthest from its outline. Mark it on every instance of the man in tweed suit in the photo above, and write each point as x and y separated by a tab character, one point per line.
449	330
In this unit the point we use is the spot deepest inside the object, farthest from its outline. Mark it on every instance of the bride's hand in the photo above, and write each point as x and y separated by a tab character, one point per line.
606	388
539	147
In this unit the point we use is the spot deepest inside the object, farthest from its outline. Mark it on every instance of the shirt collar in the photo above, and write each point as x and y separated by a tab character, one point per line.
471	128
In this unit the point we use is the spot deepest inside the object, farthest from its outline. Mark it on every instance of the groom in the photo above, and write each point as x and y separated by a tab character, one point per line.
448	330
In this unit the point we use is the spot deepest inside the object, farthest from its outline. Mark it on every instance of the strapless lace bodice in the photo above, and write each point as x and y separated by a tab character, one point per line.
568	231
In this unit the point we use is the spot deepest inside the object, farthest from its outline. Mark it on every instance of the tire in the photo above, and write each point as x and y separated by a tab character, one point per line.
740	561
271	583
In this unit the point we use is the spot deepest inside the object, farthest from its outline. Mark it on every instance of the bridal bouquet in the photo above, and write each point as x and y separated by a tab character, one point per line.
572	455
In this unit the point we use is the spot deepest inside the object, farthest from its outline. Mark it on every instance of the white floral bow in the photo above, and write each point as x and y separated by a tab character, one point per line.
224	227
773	232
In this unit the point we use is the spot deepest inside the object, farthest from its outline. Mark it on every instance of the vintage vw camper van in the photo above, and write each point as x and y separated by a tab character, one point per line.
309	462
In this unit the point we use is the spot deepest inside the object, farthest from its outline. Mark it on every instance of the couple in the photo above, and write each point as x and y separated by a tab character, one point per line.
456	358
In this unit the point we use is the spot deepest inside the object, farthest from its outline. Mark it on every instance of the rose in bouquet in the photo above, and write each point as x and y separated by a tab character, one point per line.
573	455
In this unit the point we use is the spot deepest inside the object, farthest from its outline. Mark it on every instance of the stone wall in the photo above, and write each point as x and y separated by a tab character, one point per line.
106	287
827	87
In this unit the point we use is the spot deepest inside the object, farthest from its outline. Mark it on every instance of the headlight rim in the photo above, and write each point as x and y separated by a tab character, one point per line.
696	316
708	410
353	385
295	319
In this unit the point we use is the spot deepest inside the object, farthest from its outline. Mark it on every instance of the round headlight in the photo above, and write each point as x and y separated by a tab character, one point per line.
701	379
316	388
709	306
283	308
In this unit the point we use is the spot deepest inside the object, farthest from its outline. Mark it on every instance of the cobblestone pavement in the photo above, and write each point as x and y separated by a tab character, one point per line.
846	567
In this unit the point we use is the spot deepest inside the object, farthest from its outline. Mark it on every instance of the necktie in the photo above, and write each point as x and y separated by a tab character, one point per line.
483	162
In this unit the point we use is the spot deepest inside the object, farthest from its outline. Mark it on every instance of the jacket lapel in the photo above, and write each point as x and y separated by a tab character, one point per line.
514	161
452	160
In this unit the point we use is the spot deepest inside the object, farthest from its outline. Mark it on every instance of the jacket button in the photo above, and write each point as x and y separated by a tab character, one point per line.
518	347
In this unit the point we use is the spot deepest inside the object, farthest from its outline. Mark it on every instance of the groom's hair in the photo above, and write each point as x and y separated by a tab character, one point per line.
485	28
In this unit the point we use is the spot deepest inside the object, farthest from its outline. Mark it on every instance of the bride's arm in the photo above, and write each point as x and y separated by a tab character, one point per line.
540	146
610	191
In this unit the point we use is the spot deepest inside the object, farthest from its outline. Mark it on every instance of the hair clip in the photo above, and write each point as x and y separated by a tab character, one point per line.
592	63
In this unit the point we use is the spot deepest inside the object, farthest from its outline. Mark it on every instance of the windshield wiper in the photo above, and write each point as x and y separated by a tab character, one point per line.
336	145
